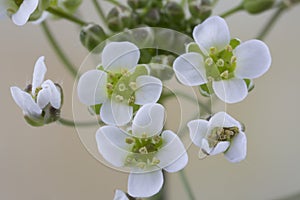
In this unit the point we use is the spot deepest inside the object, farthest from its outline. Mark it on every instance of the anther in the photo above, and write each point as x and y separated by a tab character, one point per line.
225	74
229	48
155	161
129	140
220	63
212	50
143	150
233	59
141	165
132	85
122	87
209	61
119	98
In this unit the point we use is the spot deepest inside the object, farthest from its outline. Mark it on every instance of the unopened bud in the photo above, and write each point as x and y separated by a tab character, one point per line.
91	36
152	17
174	11
257	6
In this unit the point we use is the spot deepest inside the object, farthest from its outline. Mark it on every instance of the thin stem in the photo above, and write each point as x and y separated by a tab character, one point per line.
67	63
71	123
114	2
232	11
99	10
65	15
186	185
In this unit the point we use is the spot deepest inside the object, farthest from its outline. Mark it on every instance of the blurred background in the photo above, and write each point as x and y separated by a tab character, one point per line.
51	162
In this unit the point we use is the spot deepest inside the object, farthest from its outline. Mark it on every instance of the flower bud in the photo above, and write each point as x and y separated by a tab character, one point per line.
152	17
174	11
91	36
257	6
135	4
71	5
114	22
201	10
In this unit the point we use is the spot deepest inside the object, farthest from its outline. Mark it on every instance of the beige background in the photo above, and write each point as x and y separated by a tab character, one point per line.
51	163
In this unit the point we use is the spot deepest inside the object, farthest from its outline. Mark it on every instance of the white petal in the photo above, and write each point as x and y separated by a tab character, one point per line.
230	91
222	119
24	12
55	96
43	97
213	32
38	73
198	130
149	120
253	59
145	184
120	55
114	113
41	18
112	145
92	87
148	90
172	155
238	148
189	69
120	195
25	102
219	148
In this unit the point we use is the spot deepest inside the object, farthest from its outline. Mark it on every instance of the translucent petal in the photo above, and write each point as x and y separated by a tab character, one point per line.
148	120
38	73
120	195
55	96
145	184
111	145
92	87
25	102
219	148
253	59
120	55
213	32
114	113
230	91
25	10
222	119
189	69
172	155
238	148
148	90
198	130
43	97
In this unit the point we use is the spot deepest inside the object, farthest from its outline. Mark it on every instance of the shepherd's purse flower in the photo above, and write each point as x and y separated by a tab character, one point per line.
221	65
145	150
41	100
120	85
221	134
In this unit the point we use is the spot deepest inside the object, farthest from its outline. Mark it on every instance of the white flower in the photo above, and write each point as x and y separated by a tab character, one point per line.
22	12
221	63
120	195
146	150
221	134
37	95
120	85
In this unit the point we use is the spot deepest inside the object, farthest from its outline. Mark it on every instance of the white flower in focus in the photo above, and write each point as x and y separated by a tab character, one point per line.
120	86
21	10
221	64
37	95
146	150
221	134
120	195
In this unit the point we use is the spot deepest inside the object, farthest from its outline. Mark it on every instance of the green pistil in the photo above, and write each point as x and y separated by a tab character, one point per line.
222	134
143	151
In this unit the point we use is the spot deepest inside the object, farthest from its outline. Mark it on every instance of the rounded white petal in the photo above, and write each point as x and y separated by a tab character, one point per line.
253	59
120	55
213	32
222	119
120	195
114	113
92	87
172	155
238	148
25	102
55	96
38	73
230	91
25	10
148	120
145	184
189	69
198	130
112	145
148	90
43	97
219	148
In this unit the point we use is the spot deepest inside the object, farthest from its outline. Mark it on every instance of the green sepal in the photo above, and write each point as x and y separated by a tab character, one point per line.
139	71
95	109
250	84
193	47
257	6
37	122
205	91
234	43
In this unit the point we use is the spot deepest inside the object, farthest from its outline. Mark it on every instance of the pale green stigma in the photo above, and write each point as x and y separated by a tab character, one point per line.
220	63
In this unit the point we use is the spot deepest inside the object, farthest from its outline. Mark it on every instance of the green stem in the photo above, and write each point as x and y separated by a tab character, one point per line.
69	66
99	10
232	11
114	2
71	123
65	15
186	185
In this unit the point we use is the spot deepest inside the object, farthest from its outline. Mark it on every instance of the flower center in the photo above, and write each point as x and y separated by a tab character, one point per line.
222	134
143	151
